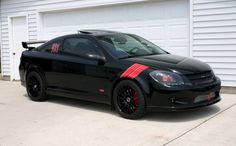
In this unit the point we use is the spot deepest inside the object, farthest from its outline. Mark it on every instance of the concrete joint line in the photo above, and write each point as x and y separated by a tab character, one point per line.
199	125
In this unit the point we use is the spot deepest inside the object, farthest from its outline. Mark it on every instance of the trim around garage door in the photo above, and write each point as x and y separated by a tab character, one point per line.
86	4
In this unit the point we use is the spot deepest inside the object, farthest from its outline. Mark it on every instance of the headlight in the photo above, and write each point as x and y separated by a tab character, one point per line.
167	78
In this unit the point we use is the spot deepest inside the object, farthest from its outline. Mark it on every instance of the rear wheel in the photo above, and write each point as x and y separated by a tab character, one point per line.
129	100
36	87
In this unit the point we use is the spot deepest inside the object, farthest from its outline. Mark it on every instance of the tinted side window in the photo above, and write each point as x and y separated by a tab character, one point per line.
79	47
52	47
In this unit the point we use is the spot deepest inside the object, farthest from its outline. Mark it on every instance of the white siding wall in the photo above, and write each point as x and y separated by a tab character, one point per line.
31	9
213	29
214	36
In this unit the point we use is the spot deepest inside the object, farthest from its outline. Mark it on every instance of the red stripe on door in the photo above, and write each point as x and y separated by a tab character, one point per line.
130	70
139	70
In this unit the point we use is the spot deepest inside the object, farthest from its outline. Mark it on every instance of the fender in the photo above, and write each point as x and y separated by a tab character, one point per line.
33	67
137	73
144	85
134	73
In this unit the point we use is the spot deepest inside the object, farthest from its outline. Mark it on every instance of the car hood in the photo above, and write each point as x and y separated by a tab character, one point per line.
172	62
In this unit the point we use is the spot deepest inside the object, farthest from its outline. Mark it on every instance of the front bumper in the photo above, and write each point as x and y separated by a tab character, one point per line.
175	100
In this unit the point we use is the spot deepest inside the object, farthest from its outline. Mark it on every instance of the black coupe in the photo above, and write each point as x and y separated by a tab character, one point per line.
125	71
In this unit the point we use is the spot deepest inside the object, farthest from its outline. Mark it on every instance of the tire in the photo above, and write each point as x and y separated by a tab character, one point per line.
129	100
36	86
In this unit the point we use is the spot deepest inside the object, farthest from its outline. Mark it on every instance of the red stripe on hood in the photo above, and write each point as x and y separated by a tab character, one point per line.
130	70
134	70
138	71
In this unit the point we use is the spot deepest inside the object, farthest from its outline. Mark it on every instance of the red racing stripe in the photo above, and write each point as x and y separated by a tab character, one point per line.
136	72
130	70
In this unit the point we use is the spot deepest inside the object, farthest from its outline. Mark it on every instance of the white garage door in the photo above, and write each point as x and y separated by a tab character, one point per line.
166	23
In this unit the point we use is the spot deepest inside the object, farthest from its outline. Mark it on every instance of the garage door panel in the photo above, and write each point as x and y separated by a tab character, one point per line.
165	23
177	42
155	32
178	31
177	49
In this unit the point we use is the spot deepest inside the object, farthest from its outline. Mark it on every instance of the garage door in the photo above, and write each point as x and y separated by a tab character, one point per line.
166	23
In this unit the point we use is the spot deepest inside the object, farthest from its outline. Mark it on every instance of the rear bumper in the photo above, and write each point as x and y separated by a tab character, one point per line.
163	100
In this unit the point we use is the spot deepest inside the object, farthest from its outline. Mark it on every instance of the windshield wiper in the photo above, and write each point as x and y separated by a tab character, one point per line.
131	56
127	57
148	54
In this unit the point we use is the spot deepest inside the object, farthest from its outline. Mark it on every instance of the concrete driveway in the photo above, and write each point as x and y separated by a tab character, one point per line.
62	121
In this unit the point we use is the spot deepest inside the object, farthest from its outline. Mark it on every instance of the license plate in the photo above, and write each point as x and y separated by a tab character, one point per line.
210	96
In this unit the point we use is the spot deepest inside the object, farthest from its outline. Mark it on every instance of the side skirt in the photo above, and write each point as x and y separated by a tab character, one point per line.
78	95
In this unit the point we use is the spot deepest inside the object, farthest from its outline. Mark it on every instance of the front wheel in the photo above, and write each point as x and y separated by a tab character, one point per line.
36	87
129	100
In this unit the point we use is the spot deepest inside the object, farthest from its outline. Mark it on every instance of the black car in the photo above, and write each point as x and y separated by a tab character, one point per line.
125	71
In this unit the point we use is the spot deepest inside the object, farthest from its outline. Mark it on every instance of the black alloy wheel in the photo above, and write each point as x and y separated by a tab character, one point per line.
35	87
129	100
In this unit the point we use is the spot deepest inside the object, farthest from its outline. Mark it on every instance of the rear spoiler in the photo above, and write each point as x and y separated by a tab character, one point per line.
25	44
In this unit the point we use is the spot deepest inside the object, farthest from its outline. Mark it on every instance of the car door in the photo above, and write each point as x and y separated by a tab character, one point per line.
81	74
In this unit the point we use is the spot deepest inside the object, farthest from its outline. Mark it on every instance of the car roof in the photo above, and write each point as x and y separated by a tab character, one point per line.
88	32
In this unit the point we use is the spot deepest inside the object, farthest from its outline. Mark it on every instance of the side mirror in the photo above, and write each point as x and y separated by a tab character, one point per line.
101	59
167	52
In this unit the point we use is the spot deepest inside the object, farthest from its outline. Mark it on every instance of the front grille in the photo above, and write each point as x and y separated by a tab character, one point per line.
201	78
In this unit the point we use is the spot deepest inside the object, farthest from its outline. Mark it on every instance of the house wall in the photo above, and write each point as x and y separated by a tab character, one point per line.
214	36
212	31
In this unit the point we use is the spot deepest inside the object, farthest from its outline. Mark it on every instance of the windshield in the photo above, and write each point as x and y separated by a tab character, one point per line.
126	45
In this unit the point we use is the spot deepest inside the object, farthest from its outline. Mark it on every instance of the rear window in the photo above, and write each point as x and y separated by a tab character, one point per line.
51	47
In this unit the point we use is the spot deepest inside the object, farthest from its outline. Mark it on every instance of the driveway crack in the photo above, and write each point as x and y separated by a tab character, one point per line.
199	125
